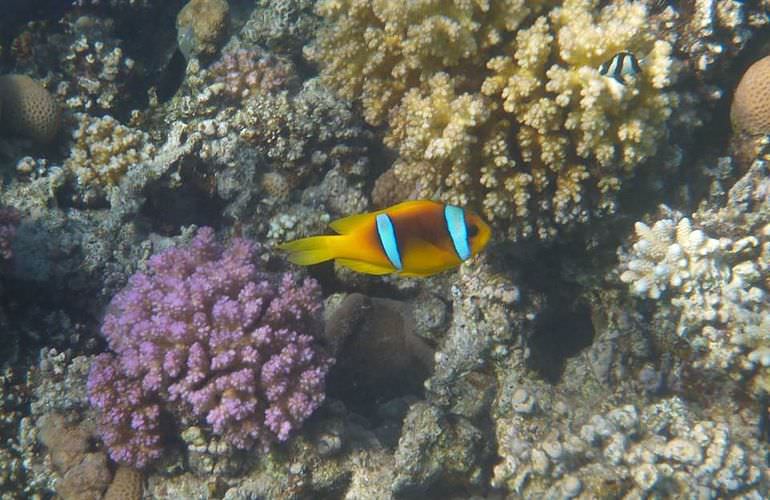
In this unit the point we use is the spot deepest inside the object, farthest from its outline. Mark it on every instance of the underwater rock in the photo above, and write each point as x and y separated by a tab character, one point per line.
201	27
437	449
377	349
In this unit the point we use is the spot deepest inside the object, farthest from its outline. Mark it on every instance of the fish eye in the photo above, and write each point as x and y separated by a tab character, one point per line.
473	230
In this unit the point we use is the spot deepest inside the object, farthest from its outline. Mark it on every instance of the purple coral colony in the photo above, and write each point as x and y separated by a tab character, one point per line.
613	341
207	335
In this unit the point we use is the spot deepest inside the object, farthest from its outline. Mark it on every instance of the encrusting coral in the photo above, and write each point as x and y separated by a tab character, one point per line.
503	105
208	336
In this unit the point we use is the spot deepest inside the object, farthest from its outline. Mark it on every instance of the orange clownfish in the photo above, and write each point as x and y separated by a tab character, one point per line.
413	238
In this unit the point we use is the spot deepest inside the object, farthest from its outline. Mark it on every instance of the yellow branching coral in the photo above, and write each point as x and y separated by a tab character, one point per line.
377	50
102	152
502	105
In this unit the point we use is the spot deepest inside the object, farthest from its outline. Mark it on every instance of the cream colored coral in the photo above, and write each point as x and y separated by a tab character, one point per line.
669	255
435	131
377	50
102	152
719	288
501	106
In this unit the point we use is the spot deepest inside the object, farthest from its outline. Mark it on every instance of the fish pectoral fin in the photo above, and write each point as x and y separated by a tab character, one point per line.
364	267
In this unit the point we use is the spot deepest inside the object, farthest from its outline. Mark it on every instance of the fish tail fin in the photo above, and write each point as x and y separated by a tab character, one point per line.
312	250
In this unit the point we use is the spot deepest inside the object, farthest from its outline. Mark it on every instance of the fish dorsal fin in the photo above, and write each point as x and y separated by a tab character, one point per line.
364	267
351	222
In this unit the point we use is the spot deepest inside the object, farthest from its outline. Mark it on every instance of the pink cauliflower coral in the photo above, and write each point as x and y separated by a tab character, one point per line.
207	336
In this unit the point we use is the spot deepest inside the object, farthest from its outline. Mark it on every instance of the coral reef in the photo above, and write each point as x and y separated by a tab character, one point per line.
660	449
83	62
9	221
436	449
246	73
305	134
284	27
102	152
208	335
201	27
527	129
95	71
377	349
711	278
84	474
710	33
28	109
750	110
535	370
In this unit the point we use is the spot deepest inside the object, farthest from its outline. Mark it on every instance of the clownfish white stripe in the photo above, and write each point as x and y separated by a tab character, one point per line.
387	235
454	217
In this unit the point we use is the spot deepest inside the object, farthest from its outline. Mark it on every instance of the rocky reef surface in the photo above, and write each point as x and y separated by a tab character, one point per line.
613	341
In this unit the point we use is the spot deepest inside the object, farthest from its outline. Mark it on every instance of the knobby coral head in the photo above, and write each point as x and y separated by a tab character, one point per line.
206	335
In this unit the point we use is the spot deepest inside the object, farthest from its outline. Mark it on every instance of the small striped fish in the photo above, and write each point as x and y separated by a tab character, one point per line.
620	66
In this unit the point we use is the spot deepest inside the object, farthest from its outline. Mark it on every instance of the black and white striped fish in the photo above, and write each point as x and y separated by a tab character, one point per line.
620	66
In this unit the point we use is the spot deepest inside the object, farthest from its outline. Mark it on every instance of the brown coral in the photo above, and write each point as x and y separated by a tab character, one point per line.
750	111
86	480
126	485
66	443
201	26
85	474
28	109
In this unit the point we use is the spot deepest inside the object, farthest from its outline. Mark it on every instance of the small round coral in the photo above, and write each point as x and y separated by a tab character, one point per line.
207	336
28	109
750	111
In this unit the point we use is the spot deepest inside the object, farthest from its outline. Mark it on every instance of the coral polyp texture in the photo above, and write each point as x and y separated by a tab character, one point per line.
750	111
246	73
503	105
28	109
102	152
207	336
95	69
